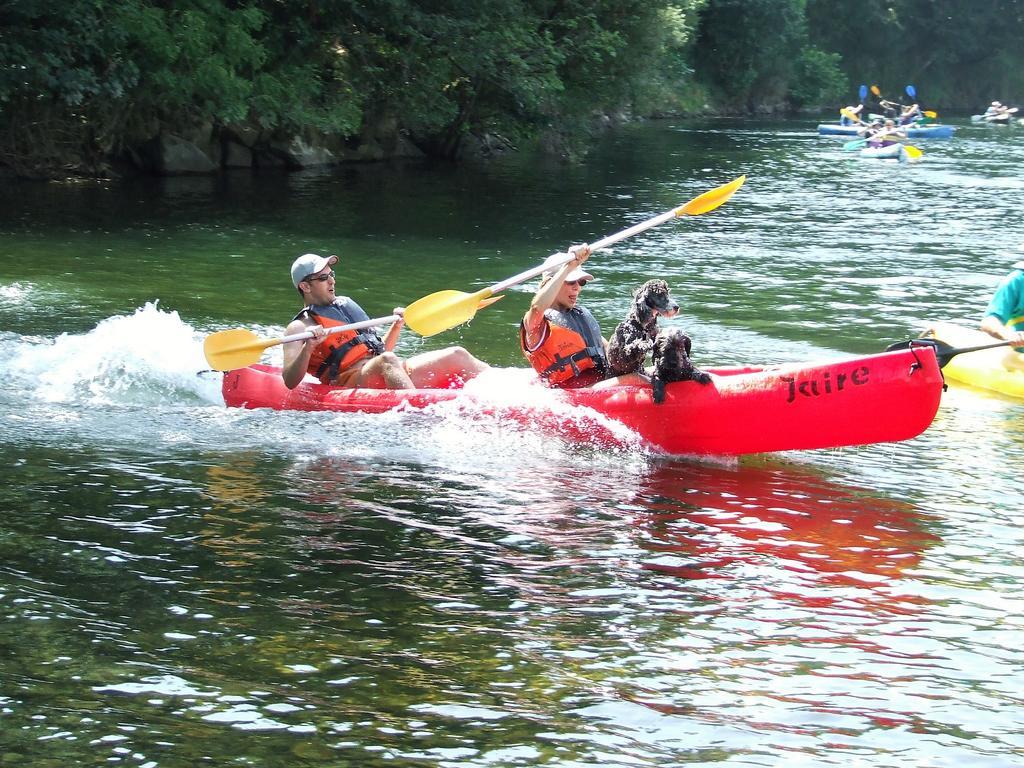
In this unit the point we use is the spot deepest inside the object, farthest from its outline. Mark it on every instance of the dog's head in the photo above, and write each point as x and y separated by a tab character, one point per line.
653	299
671	350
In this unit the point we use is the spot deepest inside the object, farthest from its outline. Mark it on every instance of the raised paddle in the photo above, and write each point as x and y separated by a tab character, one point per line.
882	102
239	348
945	352
863	93
447	309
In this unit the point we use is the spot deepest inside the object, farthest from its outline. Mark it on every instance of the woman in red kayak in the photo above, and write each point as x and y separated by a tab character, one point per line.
561	339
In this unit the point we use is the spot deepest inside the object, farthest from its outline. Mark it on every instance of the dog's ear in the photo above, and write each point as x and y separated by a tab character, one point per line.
640	308
658	350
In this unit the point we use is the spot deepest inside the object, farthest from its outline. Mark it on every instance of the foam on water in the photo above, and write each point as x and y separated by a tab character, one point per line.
151	356
141	380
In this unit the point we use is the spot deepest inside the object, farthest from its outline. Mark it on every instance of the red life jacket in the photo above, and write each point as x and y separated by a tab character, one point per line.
571	353
345	348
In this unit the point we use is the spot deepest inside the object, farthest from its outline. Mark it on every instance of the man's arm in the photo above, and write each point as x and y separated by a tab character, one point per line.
391	337
297	353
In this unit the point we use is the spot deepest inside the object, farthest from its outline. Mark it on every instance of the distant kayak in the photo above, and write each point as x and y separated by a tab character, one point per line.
852	401
992	120
914	132
891	152
983	369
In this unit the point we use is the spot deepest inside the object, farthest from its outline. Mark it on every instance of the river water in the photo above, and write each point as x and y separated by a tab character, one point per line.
183	584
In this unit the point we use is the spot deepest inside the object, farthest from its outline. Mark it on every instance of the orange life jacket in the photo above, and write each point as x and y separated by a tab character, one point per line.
345	348
571	354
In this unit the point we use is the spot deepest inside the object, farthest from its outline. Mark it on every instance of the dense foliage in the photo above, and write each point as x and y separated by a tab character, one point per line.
958	54
84	80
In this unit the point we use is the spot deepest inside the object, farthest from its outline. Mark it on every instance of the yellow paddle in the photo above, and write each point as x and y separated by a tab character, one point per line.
912	152
238	348
447	309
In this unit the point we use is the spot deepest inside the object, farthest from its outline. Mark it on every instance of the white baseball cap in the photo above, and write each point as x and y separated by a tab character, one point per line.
577	273
309	264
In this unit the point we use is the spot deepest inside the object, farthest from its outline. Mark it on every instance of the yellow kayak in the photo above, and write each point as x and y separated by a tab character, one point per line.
983	368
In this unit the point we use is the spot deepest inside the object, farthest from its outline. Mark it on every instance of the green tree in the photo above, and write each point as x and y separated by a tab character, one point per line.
747	49
957	53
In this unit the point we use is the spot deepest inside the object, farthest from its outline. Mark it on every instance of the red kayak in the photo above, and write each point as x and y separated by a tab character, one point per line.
876	398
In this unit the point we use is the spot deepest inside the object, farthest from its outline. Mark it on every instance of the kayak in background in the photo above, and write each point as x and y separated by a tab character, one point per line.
854	401
890	152
997	114
913	131
992	119
983	369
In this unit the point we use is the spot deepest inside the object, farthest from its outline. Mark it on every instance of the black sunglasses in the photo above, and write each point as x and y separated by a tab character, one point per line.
320	278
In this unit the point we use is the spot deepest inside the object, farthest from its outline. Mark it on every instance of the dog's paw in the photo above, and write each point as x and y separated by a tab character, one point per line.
701	377
657	390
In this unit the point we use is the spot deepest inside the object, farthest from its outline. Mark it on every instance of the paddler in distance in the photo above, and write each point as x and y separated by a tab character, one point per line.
357	358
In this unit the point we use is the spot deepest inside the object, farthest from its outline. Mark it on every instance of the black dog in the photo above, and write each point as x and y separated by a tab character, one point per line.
634	337
671	357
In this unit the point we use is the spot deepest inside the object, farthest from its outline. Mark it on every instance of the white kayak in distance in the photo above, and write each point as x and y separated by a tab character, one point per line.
897	152
1003	117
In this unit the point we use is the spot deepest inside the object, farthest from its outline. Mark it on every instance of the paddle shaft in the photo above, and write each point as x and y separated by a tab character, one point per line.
944	352
567	257
949	354
337	329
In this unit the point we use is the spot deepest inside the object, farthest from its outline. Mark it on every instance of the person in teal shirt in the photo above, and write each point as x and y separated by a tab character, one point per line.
1004	315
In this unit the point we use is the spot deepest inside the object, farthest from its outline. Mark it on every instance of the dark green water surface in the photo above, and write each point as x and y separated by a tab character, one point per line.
182	584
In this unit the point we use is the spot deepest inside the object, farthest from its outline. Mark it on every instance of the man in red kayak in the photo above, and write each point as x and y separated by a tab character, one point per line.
563	340
357	358
1004	316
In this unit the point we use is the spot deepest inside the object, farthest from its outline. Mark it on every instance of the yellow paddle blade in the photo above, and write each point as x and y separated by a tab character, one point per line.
874	90
443	310
850	114
930	113
912	152
487	302
710	199
237	348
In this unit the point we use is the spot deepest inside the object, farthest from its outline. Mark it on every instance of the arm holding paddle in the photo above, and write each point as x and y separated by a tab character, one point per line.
547	294
391	337
297	353
997	329
1004	315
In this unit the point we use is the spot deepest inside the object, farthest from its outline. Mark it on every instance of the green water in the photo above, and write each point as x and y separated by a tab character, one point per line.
181	584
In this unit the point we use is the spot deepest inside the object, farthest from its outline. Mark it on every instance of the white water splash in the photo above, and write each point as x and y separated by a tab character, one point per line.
149	356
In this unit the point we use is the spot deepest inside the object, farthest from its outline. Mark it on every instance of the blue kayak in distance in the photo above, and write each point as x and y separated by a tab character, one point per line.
916	132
